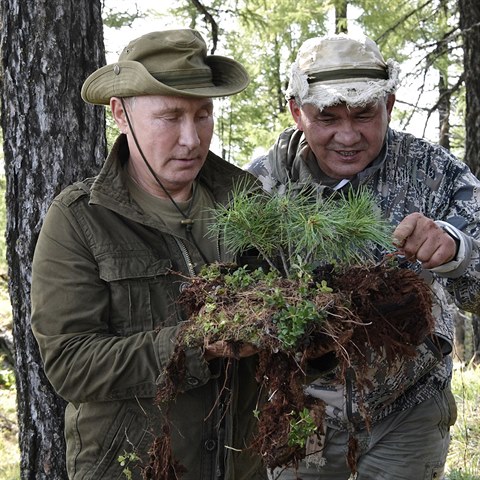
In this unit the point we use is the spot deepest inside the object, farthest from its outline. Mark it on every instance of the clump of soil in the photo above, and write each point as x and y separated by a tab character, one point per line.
394	306
383	307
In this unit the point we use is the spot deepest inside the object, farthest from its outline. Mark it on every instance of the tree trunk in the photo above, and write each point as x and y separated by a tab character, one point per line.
444	97
51	138
470	25
341	25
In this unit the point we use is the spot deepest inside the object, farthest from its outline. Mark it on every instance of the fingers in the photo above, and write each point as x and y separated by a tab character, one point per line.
225	349
438	249
420	238
403	231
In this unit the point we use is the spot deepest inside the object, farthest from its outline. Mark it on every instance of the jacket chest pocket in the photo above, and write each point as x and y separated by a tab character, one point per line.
142	291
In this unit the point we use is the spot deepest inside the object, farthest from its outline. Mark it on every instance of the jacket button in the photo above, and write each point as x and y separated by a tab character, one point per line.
210	445
192	381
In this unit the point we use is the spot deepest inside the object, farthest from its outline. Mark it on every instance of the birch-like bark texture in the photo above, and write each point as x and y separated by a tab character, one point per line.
51	139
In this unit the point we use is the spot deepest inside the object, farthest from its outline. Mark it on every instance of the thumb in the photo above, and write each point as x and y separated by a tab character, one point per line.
404	229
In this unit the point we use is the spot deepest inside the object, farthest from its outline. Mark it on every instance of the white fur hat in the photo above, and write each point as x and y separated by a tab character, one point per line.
341	69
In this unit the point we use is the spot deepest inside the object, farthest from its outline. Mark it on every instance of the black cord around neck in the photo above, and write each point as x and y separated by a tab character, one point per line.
155	176
187	221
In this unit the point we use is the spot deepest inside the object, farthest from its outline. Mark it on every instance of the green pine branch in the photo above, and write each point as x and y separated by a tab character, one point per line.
299	229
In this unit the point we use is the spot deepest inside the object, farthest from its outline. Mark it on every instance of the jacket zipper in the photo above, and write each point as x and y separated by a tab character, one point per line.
186	256
349	394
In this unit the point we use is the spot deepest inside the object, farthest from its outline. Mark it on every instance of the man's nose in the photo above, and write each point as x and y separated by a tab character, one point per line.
188	134
347	134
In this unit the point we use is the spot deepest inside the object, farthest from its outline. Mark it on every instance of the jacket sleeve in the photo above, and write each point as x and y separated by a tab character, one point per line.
460	217
418	176
84	358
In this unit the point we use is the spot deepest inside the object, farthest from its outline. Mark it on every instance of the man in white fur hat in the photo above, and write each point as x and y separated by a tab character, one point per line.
341	95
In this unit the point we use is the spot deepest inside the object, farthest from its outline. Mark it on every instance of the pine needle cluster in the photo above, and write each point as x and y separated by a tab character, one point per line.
297	229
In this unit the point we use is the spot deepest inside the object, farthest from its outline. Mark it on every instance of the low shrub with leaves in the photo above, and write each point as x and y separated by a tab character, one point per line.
320	294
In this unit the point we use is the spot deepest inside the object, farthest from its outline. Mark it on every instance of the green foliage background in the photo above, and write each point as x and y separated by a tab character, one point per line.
265	36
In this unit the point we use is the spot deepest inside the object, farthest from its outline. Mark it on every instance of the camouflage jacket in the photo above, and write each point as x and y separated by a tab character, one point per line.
410	175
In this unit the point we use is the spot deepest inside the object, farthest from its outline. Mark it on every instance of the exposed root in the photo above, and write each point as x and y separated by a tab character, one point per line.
352	453
163	465
382	308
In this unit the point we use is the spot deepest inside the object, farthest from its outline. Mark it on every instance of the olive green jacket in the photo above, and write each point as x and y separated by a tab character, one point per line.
106	278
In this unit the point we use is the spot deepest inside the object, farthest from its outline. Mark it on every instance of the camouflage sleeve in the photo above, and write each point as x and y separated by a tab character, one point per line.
260	168
454	202
462	276
419	176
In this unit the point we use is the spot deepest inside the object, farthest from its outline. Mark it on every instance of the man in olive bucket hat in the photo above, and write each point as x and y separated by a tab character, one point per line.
341	94
112	258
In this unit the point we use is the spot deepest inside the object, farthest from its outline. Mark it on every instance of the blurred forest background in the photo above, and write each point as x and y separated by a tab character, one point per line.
47	51
424	36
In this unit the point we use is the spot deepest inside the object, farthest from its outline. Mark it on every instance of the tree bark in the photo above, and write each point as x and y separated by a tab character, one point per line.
444	94
341	25
470	26
51	138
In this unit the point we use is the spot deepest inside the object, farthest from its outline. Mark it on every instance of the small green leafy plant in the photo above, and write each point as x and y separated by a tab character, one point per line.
125	460
292	321
302	426
239	297
7	377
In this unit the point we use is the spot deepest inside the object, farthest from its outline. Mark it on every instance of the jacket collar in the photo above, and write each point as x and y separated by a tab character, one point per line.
110	190
288	160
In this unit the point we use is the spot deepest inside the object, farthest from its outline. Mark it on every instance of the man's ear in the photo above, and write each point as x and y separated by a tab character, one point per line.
118	114
390	102
296	112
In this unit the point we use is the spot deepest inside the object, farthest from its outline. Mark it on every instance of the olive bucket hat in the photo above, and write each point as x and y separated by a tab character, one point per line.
170	62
